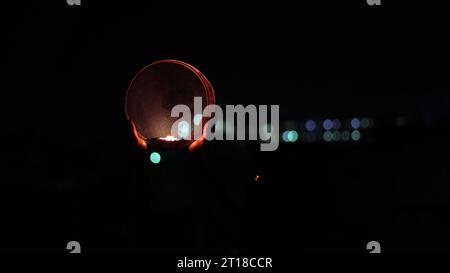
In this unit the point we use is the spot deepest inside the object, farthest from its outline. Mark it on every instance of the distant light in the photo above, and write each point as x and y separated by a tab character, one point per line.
310	125
257	178
155	158
284	136
327	124
328	136
336	136
198	119
366	123
345	136
337	124
356	123
292	136
183	129
356	135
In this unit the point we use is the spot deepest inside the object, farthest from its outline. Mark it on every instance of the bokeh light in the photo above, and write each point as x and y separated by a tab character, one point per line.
284	136
197	119
328	136
155	158
292	136
356	135
356	123
327	124
336	136
184	129
310	125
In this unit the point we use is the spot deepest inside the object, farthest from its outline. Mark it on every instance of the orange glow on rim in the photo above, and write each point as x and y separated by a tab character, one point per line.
170	141
140	140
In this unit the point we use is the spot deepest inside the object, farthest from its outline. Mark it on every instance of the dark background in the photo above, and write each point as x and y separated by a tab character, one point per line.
71	170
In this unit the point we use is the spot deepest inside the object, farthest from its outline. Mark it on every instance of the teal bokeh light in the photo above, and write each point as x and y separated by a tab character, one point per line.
284	136
328	136
292	136
155	158
356	135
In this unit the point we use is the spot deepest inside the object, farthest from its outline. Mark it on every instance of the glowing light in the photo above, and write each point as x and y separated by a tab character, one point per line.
196	144
356	123
292	136
328	136
327	124
197	119
183	129
356	135
257	177
155	158
284	136
310	125
169	138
